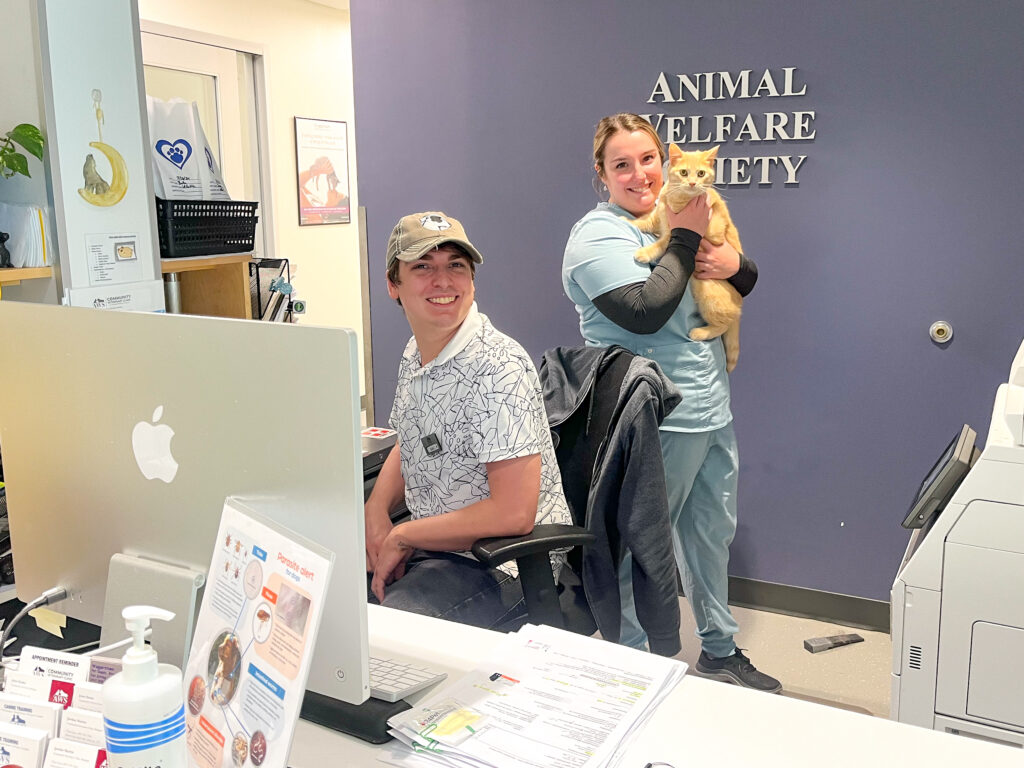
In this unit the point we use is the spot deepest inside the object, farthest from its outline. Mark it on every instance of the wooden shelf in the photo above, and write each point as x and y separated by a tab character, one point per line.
193	263
213	285
15	276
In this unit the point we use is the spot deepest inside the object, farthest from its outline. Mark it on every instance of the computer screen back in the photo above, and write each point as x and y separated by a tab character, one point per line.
257	410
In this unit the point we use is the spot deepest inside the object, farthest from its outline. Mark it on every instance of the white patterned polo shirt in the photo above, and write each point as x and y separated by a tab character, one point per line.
478	401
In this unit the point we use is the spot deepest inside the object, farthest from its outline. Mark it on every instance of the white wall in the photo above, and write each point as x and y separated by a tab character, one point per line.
21	101
308	56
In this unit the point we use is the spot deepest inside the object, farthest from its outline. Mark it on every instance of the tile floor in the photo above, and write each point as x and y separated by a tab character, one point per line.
854	677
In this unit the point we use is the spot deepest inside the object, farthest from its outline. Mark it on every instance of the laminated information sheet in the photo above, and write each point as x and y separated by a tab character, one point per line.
254	638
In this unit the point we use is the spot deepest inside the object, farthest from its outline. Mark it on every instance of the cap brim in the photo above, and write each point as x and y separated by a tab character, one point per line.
426	246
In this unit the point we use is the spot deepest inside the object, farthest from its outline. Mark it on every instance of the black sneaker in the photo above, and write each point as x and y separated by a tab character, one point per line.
737	669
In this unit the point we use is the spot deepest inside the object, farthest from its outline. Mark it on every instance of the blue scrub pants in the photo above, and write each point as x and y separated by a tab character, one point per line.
702	473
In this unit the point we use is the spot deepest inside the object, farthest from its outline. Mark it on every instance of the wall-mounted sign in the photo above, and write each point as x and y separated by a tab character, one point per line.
740	124
321	150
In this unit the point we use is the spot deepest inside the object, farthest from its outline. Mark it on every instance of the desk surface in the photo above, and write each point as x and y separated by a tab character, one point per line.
701	723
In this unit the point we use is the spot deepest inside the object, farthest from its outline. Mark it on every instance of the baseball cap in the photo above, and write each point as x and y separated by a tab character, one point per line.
418	233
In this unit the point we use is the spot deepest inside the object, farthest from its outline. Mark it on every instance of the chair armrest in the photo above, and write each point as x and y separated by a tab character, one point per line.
543	538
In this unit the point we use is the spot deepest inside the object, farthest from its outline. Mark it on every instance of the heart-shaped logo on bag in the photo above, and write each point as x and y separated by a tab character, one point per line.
177	153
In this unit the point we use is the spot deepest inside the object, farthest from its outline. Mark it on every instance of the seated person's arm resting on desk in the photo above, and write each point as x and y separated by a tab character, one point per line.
510	510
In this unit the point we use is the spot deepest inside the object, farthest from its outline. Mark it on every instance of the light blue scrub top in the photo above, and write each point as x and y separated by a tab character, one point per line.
599	258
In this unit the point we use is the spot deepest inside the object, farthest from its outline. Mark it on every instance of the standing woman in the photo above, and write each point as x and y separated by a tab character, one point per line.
649	310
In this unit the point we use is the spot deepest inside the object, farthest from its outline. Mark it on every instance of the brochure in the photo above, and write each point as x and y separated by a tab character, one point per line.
253	642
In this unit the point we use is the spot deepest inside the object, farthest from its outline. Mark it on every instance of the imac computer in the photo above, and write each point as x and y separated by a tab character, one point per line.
123	433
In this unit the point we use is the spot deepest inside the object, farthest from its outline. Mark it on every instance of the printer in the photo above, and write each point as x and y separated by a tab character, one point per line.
957	603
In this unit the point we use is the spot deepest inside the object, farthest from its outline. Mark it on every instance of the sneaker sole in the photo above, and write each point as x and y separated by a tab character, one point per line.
726	677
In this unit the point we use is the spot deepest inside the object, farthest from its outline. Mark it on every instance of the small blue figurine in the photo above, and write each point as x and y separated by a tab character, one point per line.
280	285
5	255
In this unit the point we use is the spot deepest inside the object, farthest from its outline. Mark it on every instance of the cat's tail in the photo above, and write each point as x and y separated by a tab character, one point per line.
730	338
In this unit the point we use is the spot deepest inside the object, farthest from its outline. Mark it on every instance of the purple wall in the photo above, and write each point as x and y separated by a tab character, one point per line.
907	211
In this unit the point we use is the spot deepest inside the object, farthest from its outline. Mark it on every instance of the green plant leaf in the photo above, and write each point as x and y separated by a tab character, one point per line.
18	163
29	137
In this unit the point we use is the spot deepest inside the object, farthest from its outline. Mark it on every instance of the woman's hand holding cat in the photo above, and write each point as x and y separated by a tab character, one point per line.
693	216
716	262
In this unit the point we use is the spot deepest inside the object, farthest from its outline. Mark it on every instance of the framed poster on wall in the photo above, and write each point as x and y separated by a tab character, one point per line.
321	150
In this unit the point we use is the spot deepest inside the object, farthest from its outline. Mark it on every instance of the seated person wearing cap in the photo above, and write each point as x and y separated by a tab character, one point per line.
474	457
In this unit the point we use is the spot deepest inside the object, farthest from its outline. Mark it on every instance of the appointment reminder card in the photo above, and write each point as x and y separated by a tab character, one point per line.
254	638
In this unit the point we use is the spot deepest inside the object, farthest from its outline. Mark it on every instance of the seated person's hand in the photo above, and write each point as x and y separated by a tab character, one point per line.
390	564
378	526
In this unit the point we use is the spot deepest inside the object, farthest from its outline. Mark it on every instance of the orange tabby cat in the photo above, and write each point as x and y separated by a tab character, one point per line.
691	174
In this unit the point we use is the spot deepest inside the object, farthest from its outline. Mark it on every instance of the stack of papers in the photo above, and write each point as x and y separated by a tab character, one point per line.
544	697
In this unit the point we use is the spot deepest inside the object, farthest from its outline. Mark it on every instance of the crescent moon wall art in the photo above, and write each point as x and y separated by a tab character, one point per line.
96	191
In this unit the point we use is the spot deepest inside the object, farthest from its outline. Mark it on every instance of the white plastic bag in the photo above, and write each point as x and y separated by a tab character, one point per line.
183	165
30	242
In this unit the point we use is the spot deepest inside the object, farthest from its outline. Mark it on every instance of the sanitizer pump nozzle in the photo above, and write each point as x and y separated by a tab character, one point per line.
139	664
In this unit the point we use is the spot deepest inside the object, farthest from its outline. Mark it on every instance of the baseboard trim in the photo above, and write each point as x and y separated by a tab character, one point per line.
848	610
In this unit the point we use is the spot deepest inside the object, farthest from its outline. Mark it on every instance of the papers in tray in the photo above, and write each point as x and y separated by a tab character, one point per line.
544	697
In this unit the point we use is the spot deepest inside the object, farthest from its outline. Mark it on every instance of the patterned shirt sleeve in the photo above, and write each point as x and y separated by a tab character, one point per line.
509	415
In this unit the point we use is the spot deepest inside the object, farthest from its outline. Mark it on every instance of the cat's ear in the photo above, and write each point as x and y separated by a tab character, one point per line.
711	154
674	152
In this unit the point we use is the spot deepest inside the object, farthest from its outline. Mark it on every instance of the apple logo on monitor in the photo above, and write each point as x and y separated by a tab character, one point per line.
151	444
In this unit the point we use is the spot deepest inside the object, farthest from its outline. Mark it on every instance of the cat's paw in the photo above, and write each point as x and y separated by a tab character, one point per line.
646	254
701	334
707	332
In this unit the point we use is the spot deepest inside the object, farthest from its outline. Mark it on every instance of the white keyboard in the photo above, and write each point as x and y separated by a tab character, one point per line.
394	679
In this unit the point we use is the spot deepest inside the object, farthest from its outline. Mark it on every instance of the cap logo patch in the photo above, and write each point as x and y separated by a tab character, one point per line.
435	222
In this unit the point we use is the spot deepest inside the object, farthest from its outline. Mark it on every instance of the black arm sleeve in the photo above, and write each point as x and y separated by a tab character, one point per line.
646	306
743	281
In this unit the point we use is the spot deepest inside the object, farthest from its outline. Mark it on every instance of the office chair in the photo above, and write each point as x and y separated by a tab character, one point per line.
578	441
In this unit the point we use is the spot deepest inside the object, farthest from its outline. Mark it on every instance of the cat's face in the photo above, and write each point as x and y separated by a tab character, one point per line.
691	173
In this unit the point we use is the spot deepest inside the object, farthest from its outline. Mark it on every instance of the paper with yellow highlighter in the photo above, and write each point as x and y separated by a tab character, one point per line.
544	697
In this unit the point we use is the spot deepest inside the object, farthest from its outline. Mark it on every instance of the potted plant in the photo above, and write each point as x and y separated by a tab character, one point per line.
29	138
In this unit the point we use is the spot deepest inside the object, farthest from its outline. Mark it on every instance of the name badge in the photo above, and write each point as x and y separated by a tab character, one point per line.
431	445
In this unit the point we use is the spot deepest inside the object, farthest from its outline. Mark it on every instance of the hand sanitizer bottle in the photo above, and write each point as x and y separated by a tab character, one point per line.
143	704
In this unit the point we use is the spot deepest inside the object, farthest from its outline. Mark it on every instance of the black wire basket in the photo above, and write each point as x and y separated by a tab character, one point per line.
205	227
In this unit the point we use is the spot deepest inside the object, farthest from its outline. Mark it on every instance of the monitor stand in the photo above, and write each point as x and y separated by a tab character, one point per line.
134	580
